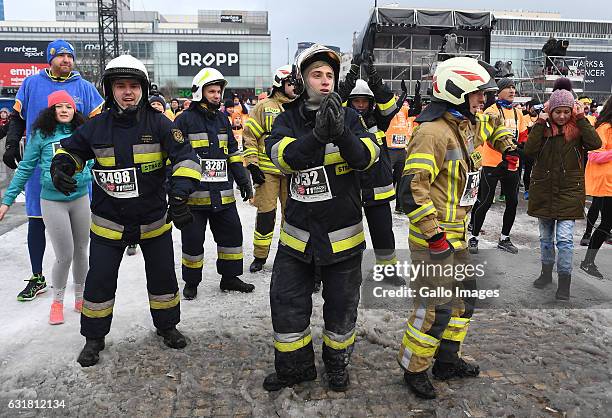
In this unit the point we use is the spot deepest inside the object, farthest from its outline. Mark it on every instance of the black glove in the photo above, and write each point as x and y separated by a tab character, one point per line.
417	90
403	87
374	79
245	191
345	88
11	156
178	211
62	169
335	115
257	175
321	129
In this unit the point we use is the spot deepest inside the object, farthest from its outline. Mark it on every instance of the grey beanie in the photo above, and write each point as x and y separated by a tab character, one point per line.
504	83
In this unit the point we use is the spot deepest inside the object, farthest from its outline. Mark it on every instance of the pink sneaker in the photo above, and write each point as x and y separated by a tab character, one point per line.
78	305
57	313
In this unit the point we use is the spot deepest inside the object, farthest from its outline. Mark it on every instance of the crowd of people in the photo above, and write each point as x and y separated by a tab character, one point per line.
108	172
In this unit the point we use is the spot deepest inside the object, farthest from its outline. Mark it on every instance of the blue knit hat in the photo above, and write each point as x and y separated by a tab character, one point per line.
59	46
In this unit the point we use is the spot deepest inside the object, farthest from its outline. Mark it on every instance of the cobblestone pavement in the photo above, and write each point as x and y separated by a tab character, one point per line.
563	370
553	362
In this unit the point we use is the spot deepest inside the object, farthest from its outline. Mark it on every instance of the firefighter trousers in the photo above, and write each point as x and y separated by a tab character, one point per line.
380	224
437	324
227	233
101	284
291	289
266	199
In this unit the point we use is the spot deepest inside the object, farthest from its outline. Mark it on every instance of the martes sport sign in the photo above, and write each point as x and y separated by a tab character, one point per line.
193	56
20	59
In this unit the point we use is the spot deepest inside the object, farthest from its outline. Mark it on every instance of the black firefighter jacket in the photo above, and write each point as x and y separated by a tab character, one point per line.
323	216
210	135
130	152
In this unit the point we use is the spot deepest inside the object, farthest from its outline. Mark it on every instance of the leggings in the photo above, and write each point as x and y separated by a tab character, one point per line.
593	214
602	231
36	243
486	193
527	167
68	225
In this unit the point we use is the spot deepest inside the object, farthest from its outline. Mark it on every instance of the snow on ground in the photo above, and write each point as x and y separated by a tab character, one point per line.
536	362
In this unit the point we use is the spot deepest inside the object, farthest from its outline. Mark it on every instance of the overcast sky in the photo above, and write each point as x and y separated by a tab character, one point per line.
324	21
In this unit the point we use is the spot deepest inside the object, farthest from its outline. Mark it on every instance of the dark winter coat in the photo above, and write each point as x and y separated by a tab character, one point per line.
556	190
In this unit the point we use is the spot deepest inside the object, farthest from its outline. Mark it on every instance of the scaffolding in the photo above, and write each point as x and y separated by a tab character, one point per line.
540	74
108	32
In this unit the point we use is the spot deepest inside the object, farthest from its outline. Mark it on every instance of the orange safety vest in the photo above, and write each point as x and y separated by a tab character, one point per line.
513	120
598	177
400	129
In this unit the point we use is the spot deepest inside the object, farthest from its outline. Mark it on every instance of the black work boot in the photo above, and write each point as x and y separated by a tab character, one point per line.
257	265
545	276
335	367
292	368
563	290
234	283
190	291
274	382
460	368
172	337
420	384
90	354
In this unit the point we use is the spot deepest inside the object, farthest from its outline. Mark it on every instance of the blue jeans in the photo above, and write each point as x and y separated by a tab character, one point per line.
563	234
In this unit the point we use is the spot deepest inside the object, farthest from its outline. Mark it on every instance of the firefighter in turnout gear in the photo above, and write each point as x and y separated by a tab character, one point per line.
377	106
271	184
437	190
321	145
130	143
210	134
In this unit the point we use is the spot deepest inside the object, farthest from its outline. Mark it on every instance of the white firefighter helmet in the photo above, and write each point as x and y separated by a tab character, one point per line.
316	52
280	75
361	89
206	77
124	66
456	77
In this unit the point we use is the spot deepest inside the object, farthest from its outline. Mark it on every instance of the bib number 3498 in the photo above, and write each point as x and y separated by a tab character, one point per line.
121	184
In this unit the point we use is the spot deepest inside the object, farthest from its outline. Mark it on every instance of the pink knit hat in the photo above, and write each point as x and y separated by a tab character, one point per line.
60	96
560	98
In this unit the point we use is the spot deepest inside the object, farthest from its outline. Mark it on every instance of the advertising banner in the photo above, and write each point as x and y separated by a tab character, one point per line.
20	59
193	56
598	69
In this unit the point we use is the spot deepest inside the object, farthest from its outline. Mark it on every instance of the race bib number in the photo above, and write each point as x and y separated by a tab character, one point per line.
56	145
398	139
470	191
214	170
310	185
121	183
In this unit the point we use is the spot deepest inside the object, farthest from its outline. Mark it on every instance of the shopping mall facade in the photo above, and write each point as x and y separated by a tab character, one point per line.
174	48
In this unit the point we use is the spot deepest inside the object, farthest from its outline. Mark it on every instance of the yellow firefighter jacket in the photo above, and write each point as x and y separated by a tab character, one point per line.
439	158
257	128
